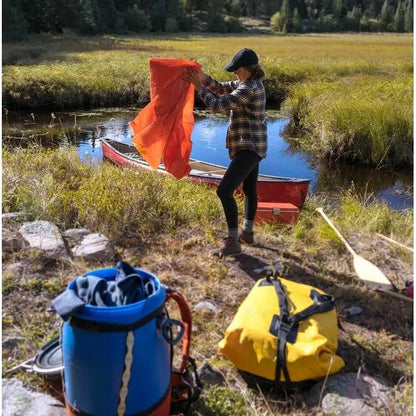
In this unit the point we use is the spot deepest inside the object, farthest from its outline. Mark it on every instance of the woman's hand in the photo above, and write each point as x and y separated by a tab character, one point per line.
192	76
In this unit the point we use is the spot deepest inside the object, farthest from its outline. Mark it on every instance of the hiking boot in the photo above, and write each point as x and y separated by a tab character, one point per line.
246	237
230	247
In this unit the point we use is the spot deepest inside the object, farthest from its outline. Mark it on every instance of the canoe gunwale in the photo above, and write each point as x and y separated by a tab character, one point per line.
138	160
269	188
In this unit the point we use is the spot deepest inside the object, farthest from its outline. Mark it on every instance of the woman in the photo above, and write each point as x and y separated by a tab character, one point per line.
246	139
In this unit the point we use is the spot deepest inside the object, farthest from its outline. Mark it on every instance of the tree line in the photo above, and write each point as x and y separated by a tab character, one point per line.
21	18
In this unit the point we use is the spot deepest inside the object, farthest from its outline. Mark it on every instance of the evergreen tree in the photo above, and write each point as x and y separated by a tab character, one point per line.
398	21
107	16
268	7
408	16
326	7
14	23
286	16
136	20
340	12
158	15
67	14
386	16
354	18
22	17
86	17
302	9
37	15
296	22
216	21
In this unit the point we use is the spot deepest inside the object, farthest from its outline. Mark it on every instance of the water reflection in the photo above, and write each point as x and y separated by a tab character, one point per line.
395	188
85	129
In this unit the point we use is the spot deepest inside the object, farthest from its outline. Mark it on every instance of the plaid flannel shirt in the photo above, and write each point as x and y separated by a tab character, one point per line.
246	102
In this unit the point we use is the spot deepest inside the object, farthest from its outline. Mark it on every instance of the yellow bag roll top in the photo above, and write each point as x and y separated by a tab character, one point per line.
285	328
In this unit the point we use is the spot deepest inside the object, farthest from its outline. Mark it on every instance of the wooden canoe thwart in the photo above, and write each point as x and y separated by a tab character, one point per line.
270	189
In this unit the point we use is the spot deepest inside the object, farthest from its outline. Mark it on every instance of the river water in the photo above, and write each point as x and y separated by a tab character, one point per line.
84	129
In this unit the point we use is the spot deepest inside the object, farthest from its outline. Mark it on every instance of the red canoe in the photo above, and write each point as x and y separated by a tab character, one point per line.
269	188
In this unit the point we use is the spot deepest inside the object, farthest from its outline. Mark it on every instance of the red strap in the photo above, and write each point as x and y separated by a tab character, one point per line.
187	323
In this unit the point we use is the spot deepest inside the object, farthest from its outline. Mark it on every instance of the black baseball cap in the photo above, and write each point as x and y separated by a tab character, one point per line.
244	57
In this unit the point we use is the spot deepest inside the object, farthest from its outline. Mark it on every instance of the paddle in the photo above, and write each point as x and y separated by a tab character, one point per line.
365	270
394	294
395	242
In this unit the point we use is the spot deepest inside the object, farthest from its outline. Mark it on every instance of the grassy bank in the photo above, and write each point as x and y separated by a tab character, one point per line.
168	227
125	202
57	186
364	118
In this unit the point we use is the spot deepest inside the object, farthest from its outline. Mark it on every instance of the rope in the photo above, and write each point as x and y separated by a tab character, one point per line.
128	360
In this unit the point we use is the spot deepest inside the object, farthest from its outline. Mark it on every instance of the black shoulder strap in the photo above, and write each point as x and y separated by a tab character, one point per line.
322	303
283	331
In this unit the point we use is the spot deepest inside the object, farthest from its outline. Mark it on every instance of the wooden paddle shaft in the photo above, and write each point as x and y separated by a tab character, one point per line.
350	249
395	242
394	294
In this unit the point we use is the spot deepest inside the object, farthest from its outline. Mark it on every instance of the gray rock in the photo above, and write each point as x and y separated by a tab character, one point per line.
349	394
17	400
11	242
75	235
44	236
206	306
354	310
12	218
11	342
96	247
208	375
16	268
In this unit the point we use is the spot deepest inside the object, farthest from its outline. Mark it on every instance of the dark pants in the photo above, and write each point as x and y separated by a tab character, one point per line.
244	168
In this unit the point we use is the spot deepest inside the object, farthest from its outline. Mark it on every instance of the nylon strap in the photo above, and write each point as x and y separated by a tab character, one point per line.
94	326
322	303
282	332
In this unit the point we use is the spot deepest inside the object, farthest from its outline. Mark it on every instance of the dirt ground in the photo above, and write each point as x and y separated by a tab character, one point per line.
377	341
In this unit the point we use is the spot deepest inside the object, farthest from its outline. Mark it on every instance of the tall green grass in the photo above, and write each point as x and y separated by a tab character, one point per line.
57	186
354	213
367	119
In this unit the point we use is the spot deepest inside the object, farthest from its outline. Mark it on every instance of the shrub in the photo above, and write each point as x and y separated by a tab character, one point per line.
277	22
171	25
136	20
233	24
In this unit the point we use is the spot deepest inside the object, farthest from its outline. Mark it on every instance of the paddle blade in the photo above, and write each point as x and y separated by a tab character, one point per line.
370	274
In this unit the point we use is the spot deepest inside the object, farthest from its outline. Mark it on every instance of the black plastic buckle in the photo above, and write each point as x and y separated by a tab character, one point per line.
285	327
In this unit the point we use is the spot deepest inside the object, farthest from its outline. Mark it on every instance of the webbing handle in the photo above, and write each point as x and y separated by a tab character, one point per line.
187	323
282	331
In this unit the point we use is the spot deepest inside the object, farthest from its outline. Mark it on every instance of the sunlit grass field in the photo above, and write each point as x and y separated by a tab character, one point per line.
349	96
63	71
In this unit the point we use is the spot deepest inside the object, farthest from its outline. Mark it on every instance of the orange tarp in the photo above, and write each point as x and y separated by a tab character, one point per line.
163	128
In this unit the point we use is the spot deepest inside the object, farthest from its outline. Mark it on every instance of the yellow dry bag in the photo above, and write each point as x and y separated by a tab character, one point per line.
284	328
